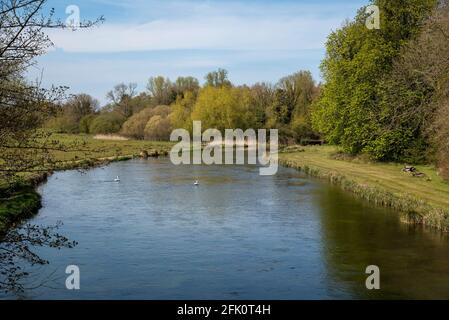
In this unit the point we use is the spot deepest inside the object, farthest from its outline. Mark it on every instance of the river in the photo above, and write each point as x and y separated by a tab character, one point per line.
237	235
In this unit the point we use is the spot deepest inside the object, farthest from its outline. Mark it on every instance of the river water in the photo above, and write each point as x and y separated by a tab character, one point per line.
238	235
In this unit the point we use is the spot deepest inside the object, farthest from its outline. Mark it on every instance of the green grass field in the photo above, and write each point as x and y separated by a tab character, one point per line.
389	176
427	196
85	146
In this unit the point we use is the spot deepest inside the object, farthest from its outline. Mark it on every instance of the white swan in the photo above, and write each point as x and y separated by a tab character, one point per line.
117	179
196	183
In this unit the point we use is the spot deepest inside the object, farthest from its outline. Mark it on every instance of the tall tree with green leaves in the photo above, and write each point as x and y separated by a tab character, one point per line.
356	61
290	106
411	94
224	108
182	109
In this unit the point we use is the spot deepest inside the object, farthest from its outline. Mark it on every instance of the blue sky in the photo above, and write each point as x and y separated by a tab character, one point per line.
254	40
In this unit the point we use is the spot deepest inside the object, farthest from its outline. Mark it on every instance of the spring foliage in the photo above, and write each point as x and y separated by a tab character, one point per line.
356	70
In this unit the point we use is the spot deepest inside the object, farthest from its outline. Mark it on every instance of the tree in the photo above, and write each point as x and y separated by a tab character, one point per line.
356	60
218	78
121	97
68	117
85	123
140	102
161	90
300	90
262	96
182	110
280	111
437	71
81	105
186	84
293	96
17	246
224	108
441	137
411	93
24	106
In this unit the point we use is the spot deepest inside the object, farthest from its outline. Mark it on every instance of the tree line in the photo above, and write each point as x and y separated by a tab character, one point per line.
166	105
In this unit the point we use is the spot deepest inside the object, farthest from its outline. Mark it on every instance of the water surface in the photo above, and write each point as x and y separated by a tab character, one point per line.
237	236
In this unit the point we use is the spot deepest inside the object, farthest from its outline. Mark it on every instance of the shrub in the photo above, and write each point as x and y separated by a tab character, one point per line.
85	123
158	128
302	129
62	124
162	111
135	126
109	122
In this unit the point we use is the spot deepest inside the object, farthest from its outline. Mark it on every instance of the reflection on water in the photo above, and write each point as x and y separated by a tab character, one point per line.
238	235
413	261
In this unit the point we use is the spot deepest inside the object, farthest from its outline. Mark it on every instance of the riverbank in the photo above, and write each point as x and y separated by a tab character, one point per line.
19	204
21	201
420	200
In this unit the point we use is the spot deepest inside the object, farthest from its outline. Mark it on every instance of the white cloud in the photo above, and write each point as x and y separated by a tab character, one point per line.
254	41
97	73
208	26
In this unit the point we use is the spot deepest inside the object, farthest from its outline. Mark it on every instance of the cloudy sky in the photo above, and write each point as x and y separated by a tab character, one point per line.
255	40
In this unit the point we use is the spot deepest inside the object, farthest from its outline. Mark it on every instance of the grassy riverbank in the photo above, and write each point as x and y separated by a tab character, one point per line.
83	151
18	205
422	200
85	147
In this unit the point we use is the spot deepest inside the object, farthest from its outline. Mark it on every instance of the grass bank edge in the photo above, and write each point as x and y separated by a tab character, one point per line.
412	209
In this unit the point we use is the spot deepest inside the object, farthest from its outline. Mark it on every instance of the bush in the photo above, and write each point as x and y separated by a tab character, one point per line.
69	115
85	123
62	124
158	128
110	122
302	129
135	126
162	111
